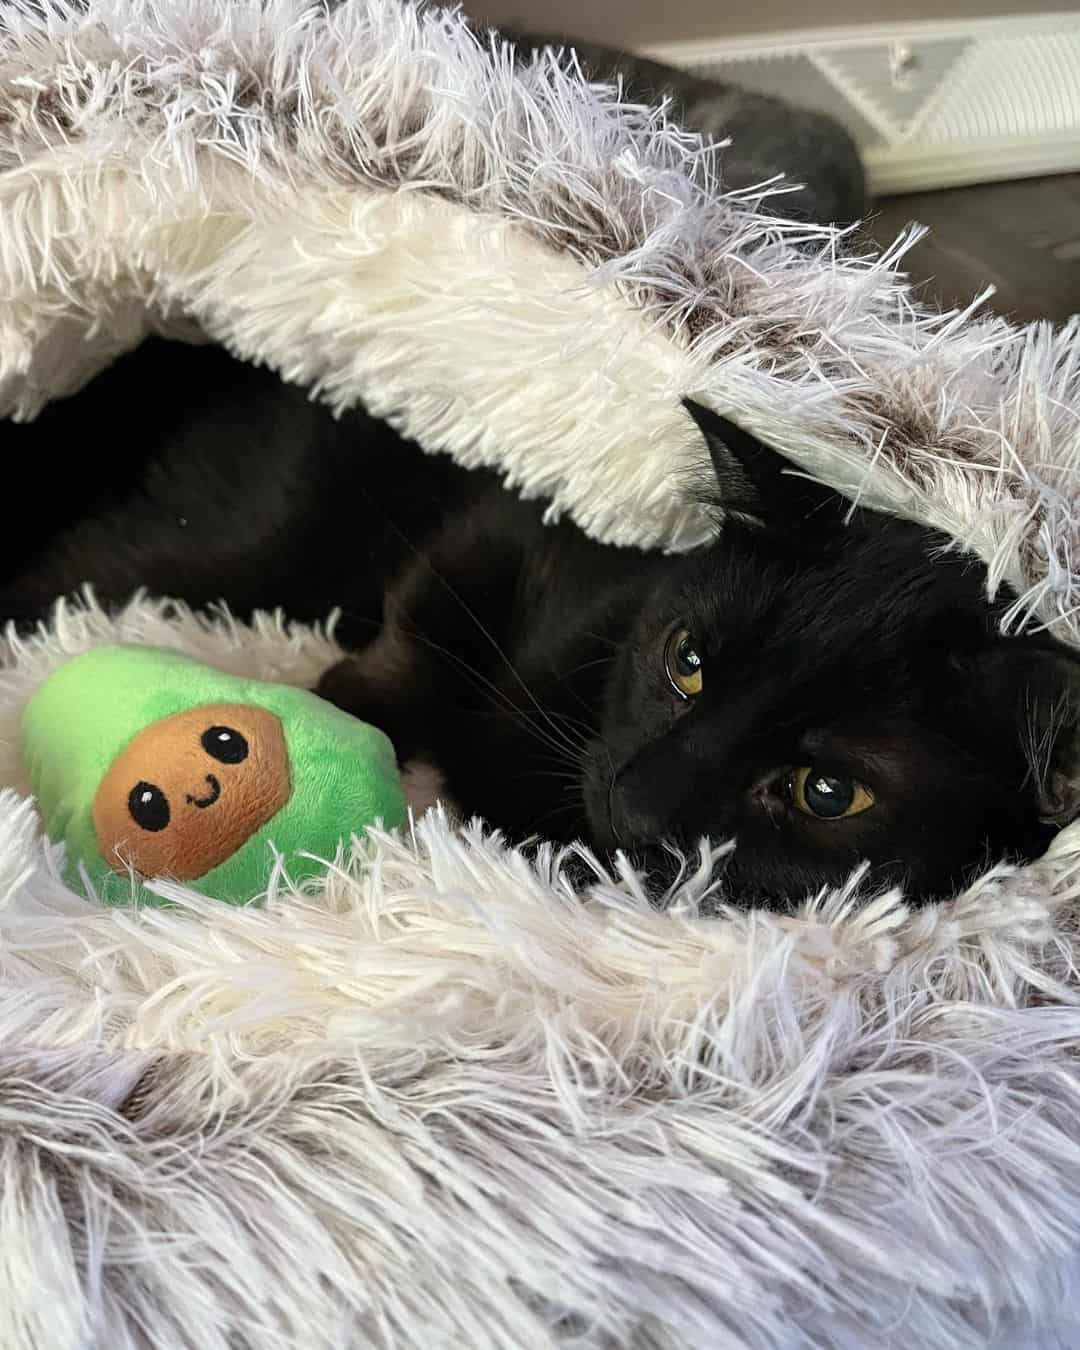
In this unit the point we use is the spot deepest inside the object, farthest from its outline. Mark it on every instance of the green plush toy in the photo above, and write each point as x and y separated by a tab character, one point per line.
146	764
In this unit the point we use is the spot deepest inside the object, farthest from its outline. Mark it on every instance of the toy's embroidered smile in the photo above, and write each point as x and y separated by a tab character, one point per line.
215	792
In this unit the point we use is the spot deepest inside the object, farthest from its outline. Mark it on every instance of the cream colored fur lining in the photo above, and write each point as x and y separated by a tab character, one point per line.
458	327
226	164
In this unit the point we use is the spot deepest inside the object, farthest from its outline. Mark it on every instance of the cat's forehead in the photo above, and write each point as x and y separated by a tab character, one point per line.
883	586
884	745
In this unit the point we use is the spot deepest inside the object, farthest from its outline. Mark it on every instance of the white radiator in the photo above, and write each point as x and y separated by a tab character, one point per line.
931	104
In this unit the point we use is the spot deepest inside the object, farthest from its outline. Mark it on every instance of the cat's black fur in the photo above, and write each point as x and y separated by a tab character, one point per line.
528	662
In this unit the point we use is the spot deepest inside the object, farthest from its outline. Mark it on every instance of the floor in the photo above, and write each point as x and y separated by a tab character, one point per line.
1023	237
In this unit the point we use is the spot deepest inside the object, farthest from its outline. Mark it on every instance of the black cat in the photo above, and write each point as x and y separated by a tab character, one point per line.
824	691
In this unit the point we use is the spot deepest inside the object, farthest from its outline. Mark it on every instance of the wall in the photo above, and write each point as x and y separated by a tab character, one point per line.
637	23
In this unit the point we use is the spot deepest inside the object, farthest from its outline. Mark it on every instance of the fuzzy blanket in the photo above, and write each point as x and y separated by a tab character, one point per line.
440	1099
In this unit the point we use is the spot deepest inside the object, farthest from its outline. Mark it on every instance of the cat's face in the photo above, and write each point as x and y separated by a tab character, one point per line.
826	694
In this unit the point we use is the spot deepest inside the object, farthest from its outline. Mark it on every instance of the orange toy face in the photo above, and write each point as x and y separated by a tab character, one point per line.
190	790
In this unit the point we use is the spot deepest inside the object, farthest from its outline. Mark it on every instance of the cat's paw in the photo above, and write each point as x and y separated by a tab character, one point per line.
359	688
425	786
345	686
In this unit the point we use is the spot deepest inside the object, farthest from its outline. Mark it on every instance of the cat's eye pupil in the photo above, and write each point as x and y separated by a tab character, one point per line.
687	661
684	664
225	745
827	796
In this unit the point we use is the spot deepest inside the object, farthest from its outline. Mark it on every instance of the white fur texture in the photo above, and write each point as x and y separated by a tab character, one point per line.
221	162
440	1100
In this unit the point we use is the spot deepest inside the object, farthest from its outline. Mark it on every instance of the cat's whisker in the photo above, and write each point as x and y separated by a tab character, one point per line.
588	665
602	637
503	705
565	808
557	775
570	740
484	631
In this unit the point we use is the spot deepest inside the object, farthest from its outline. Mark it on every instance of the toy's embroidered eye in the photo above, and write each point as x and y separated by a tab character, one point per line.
225	745
149	807
820	794
683	663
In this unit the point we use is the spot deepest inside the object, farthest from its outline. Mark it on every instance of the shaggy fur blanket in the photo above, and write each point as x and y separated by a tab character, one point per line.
439	1099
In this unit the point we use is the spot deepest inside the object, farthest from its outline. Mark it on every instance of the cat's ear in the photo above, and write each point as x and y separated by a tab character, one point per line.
1035	686
756	480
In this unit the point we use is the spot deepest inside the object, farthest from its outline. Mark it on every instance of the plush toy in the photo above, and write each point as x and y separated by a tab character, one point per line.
146	764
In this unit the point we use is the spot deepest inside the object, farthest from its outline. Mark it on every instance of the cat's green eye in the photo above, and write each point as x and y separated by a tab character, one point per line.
683	663
827	797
